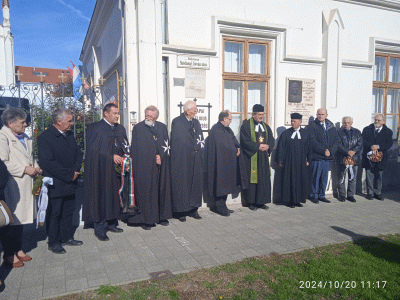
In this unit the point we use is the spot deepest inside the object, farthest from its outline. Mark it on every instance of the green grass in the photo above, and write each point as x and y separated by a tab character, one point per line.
341	271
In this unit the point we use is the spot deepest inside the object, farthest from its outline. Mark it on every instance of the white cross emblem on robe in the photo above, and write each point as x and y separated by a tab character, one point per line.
126	146
200	141
166	147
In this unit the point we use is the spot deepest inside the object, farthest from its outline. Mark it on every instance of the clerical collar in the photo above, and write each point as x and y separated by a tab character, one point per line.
108	122
296	132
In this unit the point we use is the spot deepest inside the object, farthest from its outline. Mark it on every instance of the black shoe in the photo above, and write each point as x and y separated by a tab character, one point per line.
57	249
182	219
291	205
264	207
223	213
379	197
164	223
370	197
314	200
341	198
351	199
252	207
72	242
324	200
196	216
115	229
145	227
231	211
102	238
298	204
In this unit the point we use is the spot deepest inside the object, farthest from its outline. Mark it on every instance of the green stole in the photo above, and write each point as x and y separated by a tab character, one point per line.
253	165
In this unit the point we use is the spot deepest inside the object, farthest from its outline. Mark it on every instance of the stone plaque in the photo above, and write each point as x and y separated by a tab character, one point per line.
300	98
195	83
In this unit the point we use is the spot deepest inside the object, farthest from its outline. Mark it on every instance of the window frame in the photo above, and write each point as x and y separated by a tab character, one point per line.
245	77
386	85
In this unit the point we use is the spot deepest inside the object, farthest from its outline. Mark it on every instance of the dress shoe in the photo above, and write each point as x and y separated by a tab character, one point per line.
231	211
298	204
314	200
145	227
223	213
351	199
291	205
252	207
324	200
196	216
164	223
72	242
182	219
57	249
370	197
115	229
379	197
24	258
102	238
12	265
341	198
264	207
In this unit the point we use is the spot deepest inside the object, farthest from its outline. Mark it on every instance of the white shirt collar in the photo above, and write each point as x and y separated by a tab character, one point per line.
379	129
108	122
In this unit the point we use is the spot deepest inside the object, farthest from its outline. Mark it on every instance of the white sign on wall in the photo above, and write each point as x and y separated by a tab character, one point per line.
194	62
195	83
300	98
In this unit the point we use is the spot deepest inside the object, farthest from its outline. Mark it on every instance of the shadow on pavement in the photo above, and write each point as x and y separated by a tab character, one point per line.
373	245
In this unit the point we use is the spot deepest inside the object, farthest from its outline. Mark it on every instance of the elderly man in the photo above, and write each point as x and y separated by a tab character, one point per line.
60	158
187	145
324	143
348	158
257	142
151	167
378	139
293	156
106	145
226	170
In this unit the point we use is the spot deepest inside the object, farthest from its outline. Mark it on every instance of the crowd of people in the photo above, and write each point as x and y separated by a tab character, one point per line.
159	176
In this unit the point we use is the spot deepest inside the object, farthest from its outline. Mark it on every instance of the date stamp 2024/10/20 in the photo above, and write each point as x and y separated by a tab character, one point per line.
345	284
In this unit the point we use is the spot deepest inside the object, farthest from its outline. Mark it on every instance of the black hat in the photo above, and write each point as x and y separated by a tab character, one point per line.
296	116
258	108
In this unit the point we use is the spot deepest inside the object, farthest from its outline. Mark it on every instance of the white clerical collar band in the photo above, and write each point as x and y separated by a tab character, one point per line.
108	123
259	127
296	132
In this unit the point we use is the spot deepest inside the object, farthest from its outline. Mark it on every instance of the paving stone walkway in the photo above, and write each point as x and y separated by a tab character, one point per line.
180	247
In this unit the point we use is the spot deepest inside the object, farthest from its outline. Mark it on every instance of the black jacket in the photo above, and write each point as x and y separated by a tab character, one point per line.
384	140
349	140
59	158
319	143
4	175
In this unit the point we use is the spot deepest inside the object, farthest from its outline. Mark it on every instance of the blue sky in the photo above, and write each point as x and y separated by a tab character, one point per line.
49	33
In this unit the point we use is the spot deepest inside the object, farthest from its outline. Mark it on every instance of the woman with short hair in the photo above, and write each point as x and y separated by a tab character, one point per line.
16	153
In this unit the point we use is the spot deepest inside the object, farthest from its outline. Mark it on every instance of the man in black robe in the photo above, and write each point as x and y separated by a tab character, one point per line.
257	142
187	144
106	145
293	156
151	170
226	170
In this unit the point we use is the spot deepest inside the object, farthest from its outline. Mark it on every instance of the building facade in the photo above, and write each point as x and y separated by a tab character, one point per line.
343	55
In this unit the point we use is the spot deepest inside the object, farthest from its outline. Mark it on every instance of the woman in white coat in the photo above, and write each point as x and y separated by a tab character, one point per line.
16	153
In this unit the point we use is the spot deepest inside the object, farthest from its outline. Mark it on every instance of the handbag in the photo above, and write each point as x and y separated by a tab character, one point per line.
5	215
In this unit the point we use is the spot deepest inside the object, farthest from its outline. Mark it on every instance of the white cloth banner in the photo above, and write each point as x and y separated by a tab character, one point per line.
43	201
350	168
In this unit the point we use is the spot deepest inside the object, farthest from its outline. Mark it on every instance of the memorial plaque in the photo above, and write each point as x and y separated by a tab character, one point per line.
195	83
300	98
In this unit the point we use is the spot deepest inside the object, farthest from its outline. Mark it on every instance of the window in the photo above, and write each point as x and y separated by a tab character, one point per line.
385	96
38	73
246	77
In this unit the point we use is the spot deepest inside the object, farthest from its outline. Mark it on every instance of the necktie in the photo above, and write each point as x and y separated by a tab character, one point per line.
376	132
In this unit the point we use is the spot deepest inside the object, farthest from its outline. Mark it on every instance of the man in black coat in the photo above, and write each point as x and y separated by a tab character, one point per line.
257	142
226	170
324	144
151	163
106	145
377	137
187	144
350	145
293	156
60	158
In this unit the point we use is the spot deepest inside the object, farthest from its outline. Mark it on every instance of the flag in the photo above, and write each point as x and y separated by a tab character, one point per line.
76	81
